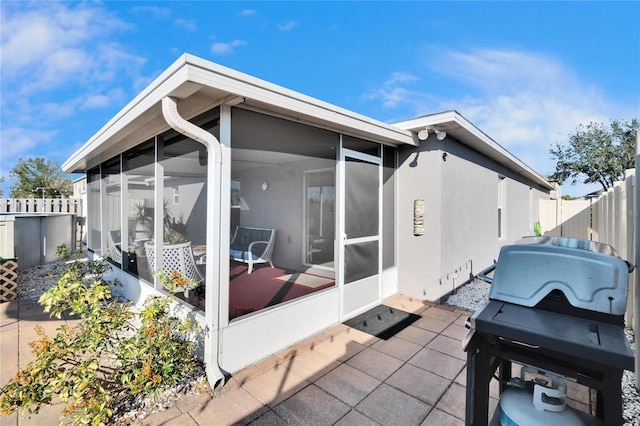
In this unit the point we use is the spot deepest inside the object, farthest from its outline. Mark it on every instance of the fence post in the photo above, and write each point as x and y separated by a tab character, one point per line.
620	219
636	311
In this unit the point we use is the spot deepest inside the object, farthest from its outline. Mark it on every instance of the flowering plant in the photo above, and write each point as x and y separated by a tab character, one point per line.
111	354
175	281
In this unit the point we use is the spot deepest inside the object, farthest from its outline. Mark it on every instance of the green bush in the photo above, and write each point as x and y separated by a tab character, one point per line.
109	357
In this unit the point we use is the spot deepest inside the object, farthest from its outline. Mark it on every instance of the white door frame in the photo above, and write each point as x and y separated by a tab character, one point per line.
343	239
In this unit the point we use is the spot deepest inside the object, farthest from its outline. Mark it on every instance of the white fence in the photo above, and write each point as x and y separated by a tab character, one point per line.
568	218
41	205
31	228
610	219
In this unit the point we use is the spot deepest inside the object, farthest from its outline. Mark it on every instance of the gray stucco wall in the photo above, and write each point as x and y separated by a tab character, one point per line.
469	210
461	236
279	207
419	257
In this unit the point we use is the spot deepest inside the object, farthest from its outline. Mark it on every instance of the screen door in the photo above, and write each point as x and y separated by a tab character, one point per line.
361	232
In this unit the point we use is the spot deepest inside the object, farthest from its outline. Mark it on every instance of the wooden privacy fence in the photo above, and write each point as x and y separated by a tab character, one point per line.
41	205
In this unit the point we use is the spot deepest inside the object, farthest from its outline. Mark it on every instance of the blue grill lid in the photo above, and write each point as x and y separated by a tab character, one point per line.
590	275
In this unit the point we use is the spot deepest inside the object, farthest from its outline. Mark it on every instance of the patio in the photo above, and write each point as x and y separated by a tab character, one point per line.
339	376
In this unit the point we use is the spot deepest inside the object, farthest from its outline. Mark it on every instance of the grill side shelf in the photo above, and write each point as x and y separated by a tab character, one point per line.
590	341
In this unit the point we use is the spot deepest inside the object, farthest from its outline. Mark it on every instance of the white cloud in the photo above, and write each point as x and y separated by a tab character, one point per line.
17	141
525	101
187	24
42	39
288	26
59	45
248	12
221	48
69	53
394	92
154	11
115	96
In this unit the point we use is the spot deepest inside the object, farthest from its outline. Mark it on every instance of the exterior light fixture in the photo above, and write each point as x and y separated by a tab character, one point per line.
424	133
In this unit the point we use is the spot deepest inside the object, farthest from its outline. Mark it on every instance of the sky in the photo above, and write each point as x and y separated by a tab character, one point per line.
525	73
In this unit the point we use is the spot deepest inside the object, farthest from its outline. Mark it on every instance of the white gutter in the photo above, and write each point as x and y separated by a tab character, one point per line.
214	188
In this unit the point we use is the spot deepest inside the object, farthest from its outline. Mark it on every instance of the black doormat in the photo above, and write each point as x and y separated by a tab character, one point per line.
382	321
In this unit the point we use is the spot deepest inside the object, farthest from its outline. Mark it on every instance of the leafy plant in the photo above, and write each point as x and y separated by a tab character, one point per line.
175	281
537	229
175	231
141	218
108	358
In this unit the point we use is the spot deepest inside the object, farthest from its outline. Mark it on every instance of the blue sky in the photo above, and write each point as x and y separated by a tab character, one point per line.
526	73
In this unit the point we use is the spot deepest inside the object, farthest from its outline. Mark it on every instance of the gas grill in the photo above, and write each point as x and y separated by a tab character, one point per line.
556	304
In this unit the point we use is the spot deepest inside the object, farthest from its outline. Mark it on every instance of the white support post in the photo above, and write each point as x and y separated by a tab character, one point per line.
636	311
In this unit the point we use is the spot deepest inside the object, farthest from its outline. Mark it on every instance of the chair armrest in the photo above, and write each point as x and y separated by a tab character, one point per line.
250	248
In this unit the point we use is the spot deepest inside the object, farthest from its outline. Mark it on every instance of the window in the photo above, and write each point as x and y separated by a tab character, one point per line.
388	207
282	178
111	202
501	206
94	214
154	196
320	218
184	217
138	165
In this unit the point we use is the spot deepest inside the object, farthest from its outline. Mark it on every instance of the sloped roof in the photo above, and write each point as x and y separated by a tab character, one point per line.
199	86
468	134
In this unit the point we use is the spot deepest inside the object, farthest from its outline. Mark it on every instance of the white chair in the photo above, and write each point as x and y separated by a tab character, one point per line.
175	257
114	246
252	245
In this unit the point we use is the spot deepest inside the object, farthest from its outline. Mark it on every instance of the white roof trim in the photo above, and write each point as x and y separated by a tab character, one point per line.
189	74
472	136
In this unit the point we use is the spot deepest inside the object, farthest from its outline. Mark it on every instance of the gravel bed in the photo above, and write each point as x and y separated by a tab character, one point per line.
32	282
473	295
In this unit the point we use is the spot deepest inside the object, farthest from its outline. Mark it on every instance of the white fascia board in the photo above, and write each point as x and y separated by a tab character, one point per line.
453	120
252	88
190	69
159	88
419	123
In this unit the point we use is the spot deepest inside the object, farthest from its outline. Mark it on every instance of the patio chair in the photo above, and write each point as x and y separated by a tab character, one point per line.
252	245
114	248
175	257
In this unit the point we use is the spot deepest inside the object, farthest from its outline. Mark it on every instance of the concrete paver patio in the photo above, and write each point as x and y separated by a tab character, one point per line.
341	376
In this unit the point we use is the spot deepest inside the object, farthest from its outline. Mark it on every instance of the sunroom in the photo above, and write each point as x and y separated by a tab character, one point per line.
279	208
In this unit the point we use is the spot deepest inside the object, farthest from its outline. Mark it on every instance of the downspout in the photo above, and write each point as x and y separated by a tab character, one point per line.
214	188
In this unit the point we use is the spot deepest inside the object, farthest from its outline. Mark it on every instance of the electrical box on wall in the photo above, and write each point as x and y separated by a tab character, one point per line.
418	217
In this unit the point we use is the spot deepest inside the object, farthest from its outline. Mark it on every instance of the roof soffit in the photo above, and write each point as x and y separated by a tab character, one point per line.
200	85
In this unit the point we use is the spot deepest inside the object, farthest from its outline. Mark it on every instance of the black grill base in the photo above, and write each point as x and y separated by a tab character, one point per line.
504	333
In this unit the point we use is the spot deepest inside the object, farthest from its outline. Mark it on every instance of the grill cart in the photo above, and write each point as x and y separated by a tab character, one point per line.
556	305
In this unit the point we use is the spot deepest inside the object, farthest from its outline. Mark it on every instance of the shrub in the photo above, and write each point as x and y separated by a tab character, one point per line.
112	355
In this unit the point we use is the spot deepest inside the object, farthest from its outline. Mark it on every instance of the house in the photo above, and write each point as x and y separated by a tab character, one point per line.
208	168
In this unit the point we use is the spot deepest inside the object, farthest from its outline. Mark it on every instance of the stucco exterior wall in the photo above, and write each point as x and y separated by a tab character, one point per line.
469	210
419	257
265	209
461	193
